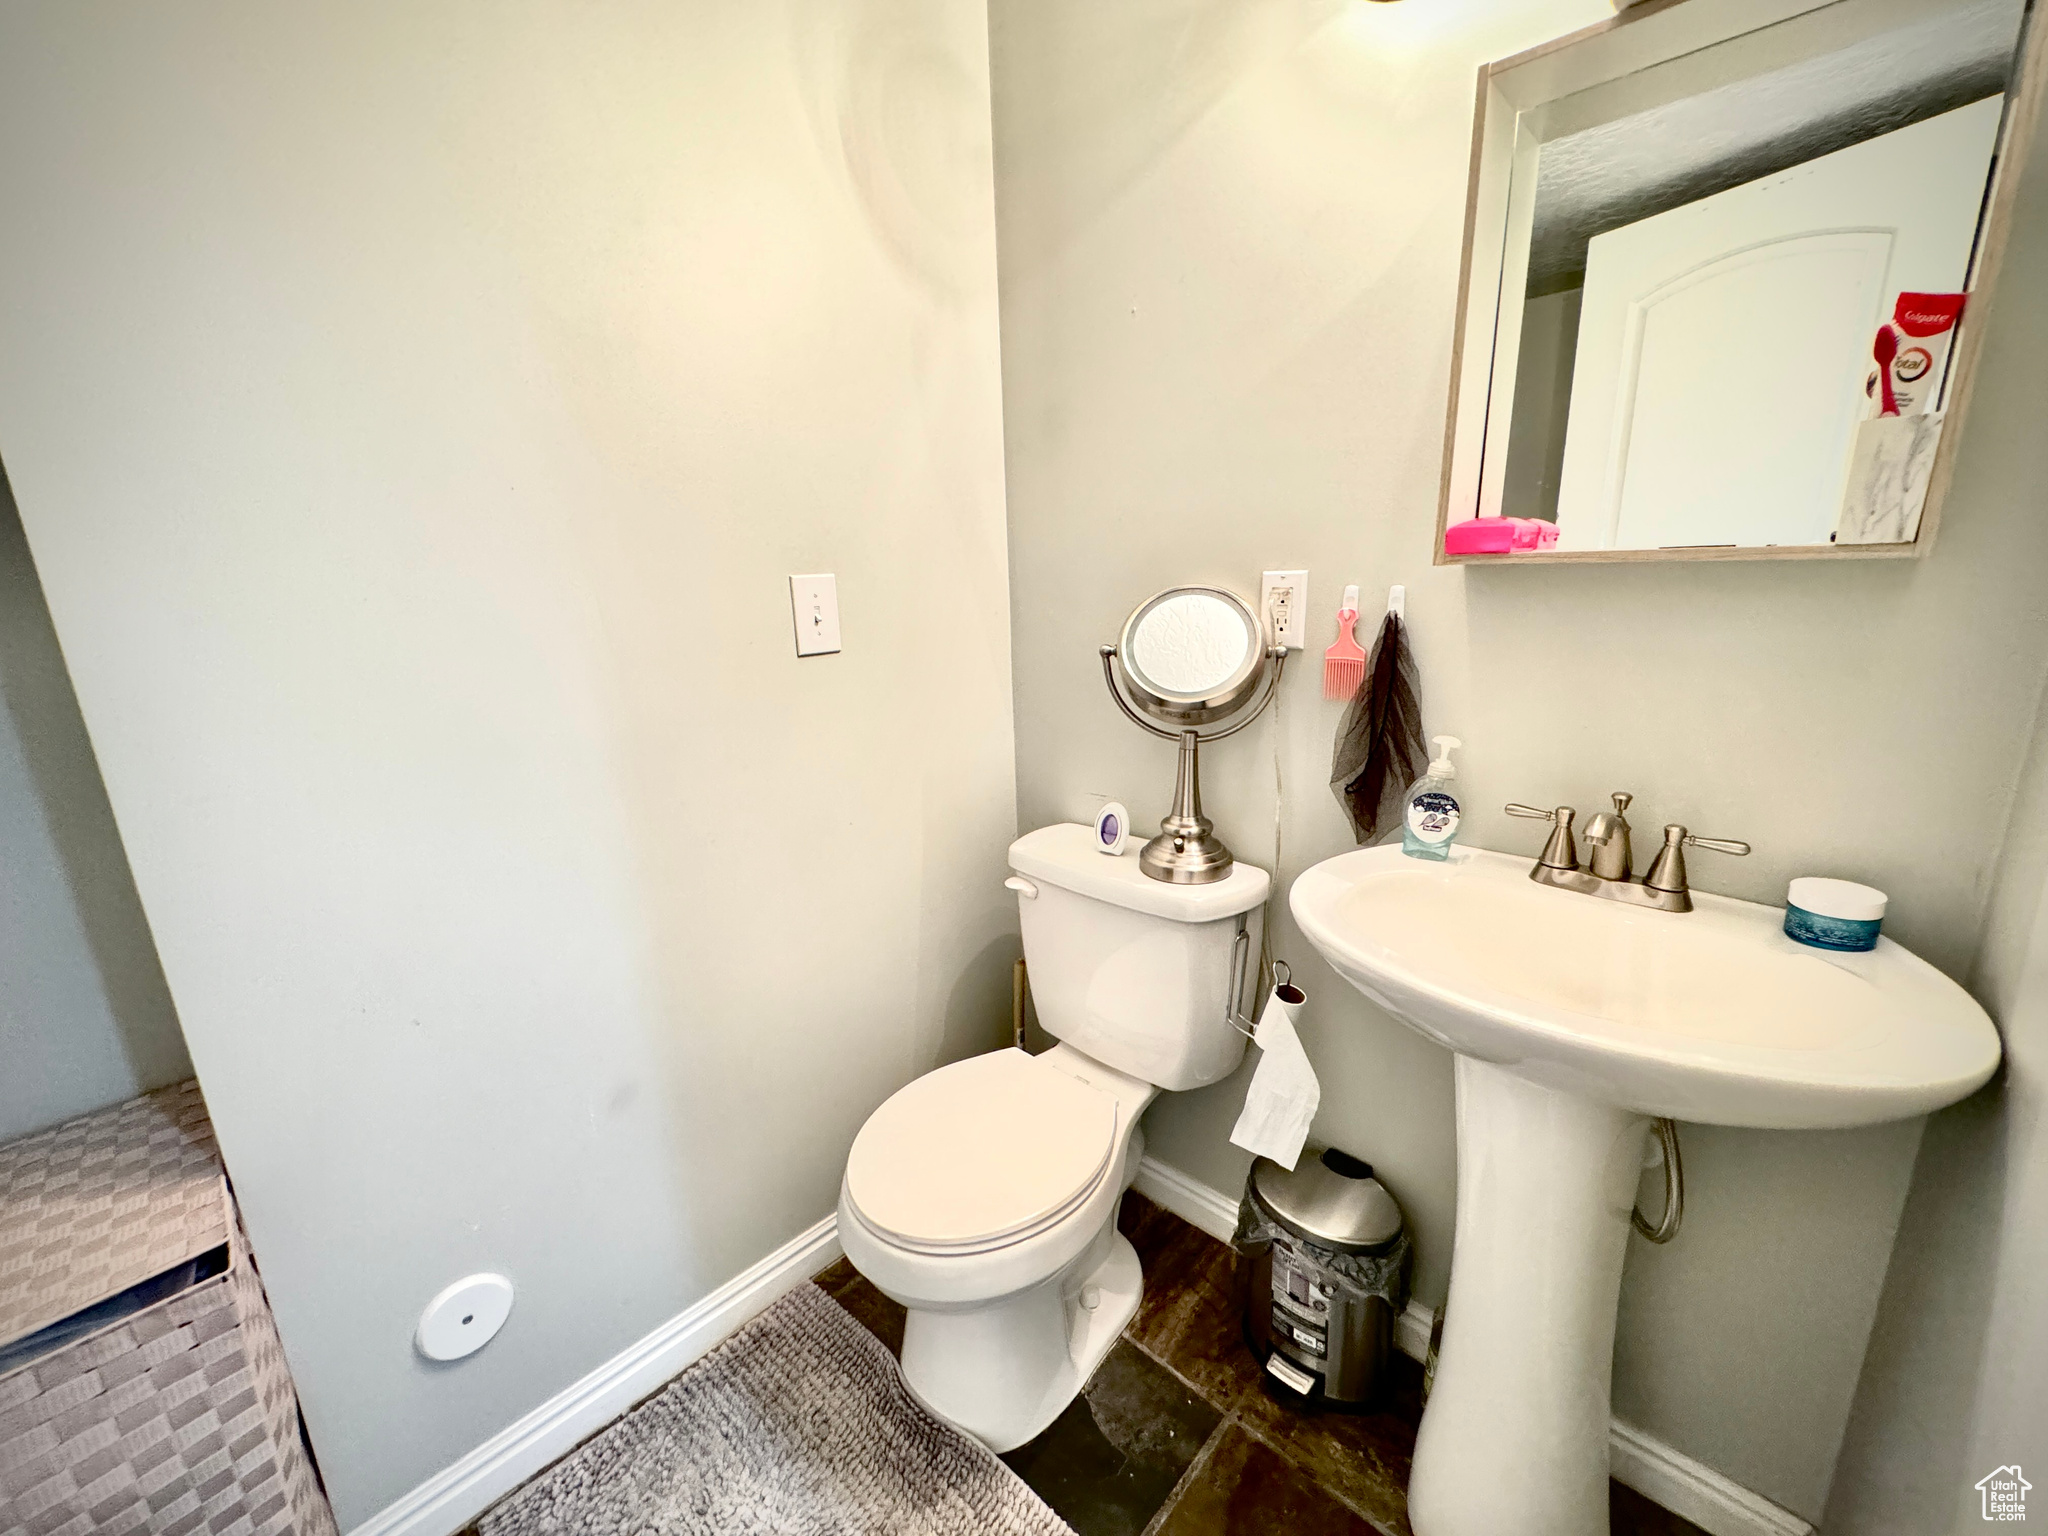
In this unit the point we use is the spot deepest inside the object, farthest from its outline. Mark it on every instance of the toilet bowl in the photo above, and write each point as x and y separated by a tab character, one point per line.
983	1196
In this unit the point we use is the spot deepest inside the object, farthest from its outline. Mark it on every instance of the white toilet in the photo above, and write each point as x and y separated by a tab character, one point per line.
983	1196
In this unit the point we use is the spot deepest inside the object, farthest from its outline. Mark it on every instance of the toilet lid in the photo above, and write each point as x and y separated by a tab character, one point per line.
980	1153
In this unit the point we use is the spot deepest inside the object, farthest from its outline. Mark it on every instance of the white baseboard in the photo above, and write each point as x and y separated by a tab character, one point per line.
450	1499
1716	1504
1194	1202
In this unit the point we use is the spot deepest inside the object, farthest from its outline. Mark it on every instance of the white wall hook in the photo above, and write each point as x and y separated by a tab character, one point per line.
1397	603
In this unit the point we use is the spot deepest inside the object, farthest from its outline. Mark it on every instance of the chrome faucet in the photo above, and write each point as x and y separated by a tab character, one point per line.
1610	871
1611	857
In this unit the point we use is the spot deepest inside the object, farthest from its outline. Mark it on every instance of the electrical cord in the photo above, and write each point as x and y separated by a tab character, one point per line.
1277	736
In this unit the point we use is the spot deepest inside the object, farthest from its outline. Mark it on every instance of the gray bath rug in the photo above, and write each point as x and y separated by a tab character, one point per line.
797	1425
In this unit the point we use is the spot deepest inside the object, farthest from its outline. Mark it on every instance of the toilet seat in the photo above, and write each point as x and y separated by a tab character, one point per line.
981	1154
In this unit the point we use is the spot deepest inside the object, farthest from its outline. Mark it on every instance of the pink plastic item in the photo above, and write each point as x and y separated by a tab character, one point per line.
1498	535
1344	662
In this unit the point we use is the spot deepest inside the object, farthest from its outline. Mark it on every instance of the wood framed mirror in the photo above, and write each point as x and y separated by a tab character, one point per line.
1728	269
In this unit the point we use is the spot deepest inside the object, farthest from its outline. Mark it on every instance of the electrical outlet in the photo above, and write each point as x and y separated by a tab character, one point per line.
1283	603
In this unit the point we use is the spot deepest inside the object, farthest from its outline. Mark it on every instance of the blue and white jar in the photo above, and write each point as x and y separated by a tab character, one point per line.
1834	914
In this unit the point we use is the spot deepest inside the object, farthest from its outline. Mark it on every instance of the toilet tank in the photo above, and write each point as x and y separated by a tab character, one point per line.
1130	970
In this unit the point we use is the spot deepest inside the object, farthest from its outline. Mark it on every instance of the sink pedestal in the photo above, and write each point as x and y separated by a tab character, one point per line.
1515	1434
1712	1016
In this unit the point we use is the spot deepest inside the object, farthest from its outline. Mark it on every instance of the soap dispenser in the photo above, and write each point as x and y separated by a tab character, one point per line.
1429	821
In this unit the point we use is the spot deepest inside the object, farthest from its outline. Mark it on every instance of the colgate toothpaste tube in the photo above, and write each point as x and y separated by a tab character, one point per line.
1912	353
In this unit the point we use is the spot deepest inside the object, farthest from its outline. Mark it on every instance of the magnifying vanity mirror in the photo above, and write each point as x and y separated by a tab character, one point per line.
1725	278
1190	657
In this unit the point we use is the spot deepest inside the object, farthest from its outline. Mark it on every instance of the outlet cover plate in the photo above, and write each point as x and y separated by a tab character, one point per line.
1291	630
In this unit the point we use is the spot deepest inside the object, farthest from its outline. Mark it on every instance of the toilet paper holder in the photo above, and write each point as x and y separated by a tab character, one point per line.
1284	992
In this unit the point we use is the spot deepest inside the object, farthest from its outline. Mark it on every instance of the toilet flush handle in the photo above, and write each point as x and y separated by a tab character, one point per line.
1022	887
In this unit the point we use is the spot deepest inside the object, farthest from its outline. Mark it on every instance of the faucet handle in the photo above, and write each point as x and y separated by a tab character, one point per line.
1667	870
1718	844
1560	852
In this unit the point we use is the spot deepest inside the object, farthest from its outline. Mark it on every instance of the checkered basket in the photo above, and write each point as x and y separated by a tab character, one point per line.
179	1418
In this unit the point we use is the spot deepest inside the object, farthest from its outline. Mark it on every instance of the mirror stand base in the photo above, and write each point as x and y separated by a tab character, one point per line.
1186	857
1187	850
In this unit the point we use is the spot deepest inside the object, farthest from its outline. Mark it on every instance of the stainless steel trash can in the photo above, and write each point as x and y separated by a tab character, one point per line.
1327	1275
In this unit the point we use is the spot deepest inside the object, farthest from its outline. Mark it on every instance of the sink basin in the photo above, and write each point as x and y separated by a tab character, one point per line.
1575	1021
1711	1015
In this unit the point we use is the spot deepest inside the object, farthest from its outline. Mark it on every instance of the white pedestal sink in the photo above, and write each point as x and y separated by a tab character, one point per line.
1575	1022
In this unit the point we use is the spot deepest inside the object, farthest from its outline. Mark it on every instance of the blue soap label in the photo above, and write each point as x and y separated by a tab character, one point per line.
1432	817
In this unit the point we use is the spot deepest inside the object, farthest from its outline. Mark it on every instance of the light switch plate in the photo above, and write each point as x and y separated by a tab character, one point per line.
814	608
1290	625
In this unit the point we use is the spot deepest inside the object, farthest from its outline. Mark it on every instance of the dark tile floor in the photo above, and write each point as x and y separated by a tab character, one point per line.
1176	1436
1109	1463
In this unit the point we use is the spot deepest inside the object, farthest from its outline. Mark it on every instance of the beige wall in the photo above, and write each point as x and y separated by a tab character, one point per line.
85	1018
1955	1383
1229	243
415	411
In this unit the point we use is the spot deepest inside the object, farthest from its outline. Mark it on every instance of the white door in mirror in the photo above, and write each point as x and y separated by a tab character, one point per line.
464	1317
1723	345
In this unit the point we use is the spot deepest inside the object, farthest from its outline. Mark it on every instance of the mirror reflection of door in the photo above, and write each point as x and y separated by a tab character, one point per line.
1723	346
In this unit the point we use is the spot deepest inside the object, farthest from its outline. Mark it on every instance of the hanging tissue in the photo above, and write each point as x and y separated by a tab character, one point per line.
1284	1093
